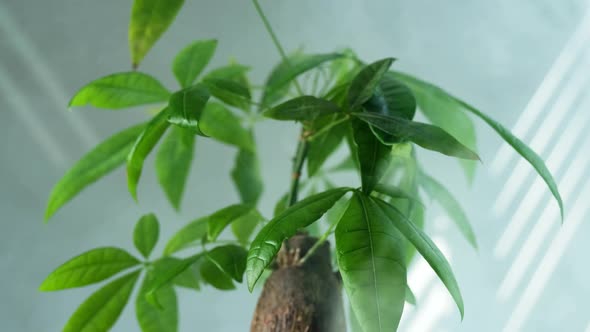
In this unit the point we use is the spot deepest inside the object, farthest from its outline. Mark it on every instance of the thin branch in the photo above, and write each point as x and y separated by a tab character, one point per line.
275	40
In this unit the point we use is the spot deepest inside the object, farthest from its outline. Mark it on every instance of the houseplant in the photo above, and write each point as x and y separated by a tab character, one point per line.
367	107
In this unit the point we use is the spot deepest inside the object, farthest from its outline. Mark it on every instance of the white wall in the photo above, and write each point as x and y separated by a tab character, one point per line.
494	54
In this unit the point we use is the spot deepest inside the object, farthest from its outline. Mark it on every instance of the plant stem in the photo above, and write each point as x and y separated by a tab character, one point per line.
298	161
275	40
318	243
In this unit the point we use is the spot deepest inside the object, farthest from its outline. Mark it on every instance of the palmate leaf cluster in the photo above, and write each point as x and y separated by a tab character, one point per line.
341	103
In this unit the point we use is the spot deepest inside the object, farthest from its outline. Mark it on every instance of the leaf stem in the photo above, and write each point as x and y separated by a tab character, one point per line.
318	243
275	40
327	128
303	144
298	161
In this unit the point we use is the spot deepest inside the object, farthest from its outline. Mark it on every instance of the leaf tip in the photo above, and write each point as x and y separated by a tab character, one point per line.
49	213
152	299
251	279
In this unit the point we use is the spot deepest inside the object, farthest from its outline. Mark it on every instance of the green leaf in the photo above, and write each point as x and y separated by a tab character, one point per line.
410	297
165	271
392	97
373	156
366	81
101	160
215	277
233	71
187	105
427	136
286	71
527	153
151	318
453	208
222	125
149	20
416	215
89	268
427	249
324	145
230	259
281	205
443	110
173	163
396	192
189	278
444	98
334	215
269	240
142	148
302	108
371	259
246	176
191	61
102	309
145	234
194	231
355	326
244	226
219	220
230	92
121	90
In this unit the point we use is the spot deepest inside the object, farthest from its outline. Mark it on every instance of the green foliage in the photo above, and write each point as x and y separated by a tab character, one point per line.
218	122
215	276
173	162
427	249
246	176
144	144
219	220
146	233
231	92
186	237
327	135
302	108
268	241
152	318
396	192
102	309
244	226
89	268
286	72
451	205
149	20
186	106
336	98
527	153
191	61
410	297
101	160
371	259
366	81
443	111
427	136
230	259
372	155
121	90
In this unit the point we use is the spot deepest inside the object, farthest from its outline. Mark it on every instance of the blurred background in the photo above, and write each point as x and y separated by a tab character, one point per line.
524	62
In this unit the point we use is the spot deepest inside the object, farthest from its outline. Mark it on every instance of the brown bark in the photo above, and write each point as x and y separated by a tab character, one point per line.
300	297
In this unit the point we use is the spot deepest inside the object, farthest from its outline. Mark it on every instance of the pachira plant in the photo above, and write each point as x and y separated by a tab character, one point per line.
340	102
